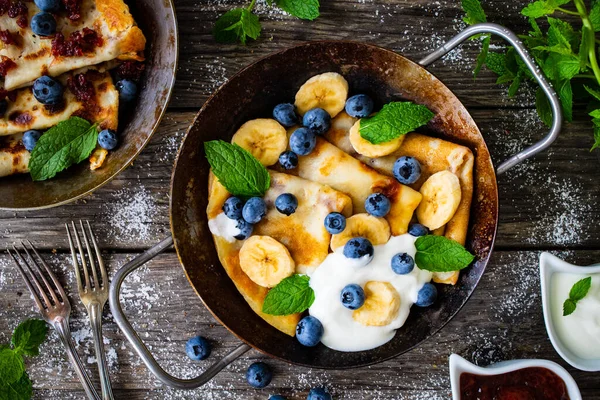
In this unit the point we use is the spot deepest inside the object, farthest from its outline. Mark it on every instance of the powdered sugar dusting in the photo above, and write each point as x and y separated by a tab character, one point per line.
131	215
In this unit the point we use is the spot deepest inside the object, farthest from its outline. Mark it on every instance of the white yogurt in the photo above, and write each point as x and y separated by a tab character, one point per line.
580	331
224	227
341	331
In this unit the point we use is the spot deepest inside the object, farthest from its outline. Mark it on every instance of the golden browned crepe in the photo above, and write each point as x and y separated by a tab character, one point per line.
14	158
434	155
303	234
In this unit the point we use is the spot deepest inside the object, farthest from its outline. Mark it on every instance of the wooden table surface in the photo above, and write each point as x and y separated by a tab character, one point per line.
548	203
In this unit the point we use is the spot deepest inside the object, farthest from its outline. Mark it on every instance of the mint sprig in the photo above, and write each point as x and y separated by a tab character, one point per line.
26	339
394	120
566	53
291	295
70	142
240	24
440	254
579	290
238	170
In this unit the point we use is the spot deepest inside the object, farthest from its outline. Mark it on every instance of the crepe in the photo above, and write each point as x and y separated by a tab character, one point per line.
303	234
33	55
14	158
329	165
102	107
434	155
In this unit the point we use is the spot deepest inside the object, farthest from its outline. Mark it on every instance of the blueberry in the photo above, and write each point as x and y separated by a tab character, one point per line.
352	296
407	170
309	331
377	205
43	24
358	247
259	375
276	397
288	159
285	114
30	138
427	295
317	120
245	229
418	230
47	91
48	5
286	203
198	348
3	107
403	263
318	394
359	106
233	208
127	90
254	210
303	141
335	223
107	139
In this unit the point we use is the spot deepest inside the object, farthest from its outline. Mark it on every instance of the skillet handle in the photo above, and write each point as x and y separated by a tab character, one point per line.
136	342
511	38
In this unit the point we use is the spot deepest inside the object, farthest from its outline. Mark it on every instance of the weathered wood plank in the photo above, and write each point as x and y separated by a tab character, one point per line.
547	201
503	320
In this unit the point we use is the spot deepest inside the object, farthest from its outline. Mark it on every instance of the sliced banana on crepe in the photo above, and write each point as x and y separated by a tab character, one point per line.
328	91
382	302
264	138
377	230
441	198
368	149
266	261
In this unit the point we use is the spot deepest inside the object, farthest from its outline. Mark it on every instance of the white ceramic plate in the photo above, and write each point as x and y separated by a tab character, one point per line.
458	365
550	265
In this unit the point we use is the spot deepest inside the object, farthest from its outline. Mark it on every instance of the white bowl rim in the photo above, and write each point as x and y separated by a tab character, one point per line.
458	365
549	265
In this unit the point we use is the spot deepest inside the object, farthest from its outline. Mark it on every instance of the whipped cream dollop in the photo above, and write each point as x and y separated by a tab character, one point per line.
224	227
341	331
579	331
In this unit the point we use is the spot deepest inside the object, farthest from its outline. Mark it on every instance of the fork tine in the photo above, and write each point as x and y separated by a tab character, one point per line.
83	262
27	282
90	256
39	271
57	284
75	262
33	277
98	256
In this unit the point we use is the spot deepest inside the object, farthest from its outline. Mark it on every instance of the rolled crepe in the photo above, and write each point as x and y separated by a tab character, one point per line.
14	159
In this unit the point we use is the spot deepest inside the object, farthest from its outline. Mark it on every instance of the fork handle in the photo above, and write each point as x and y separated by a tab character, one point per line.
96	323
64	333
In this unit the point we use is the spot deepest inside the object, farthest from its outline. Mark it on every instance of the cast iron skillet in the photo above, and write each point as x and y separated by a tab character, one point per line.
252	93
157	20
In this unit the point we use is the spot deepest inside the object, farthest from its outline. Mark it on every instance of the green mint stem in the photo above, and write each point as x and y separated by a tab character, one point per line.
587	28
586	76
567	11
251	6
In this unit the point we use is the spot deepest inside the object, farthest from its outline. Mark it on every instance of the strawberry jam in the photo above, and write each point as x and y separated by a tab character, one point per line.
525	384
6	64
78	43
73	8
130	70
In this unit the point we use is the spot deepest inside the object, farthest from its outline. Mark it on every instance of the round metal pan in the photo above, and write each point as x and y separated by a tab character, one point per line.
157	20
252	93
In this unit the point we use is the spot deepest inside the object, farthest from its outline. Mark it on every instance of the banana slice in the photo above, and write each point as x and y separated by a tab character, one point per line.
366	148
264	138
441	197
382	302
377	230
266	261
328	91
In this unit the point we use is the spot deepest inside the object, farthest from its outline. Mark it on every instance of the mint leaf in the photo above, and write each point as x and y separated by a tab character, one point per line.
593	92
495	62
236	25
579	290
70	142
394	120
540	8
475	13
560	32
514	86
568	307
542	106
596	122
565	94
595	15
29	335
237	169
440	254
303	9
11	366
291	295
485	46
20	390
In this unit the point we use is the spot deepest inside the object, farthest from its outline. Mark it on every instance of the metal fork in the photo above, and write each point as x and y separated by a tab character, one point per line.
93	295
55	312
